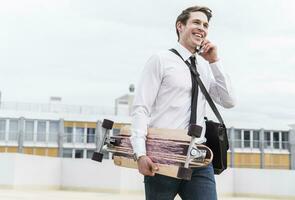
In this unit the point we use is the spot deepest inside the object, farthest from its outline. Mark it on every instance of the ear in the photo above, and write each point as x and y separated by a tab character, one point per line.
179	27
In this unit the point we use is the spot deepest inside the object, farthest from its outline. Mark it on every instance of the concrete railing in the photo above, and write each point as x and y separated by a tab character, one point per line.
27	171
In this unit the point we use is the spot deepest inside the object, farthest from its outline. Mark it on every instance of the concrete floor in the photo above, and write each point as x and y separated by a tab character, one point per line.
11	194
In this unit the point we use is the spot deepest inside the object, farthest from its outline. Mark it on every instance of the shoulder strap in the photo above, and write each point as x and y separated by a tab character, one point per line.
203	89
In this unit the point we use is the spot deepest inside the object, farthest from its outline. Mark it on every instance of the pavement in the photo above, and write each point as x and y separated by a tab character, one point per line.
17	194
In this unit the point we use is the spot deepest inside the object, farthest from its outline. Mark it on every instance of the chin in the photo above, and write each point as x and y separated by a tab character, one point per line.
195	46
198	43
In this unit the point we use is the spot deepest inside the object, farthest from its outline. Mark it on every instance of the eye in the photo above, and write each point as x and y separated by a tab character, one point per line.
197	22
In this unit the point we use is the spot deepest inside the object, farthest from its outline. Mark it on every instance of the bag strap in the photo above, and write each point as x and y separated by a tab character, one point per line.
203	89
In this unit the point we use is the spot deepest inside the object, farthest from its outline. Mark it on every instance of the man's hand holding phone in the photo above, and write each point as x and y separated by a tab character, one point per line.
209	51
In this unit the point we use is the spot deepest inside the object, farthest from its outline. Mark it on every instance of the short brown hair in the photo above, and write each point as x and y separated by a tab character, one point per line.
185	14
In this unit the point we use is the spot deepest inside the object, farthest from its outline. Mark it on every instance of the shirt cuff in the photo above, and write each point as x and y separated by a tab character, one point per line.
138	145
217	68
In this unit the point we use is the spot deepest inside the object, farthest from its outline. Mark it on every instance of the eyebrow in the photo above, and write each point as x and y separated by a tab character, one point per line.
198	20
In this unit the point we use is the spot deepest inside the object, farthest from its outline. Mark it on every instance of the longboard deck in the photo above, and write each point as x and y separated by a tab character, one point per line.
127	152
167	158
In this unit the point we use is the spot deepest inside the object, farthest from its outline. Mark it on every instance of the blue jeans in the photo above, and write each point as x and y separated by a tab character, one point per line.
200	187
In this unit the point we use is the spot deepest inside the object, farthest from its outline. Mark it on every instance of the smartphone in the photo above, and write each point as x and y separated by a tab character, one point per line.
200	50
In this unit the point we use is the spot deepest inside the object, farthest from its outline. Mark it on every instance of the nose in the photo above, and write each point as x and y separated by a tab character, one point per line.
202	27
202	30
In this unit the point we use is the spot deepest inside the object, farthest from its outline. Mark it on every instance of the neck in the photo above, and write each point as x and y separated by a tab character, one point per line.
188	47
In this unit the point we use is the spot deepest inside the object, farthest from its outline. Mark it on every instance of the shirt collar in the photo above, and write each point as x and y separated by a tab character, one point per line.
184	52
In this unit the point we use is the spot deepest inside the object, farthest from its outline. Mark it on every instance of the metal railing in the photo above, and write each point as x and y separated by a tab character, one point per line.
79	138
257	144
58	108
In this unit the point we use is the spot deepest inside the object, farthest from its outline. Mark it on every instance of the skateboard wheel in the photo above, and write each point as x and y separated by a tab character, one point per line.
195	130
97	156
107	124
184	173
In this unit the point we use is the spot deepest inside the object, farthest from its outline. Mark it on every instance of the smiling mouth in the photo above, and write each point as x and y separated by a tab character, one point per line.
198	35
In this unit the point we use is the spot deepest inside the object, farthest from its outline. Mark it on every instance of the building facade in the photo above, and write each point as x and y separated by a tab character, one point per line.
68	134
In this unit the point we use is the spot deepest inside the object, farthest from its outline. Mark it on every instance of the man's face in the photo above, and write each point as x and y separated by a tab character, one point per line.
194	31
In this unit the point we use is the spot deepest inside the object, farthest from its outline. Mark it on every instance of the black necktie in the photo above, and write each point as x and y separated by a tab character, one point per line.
194	101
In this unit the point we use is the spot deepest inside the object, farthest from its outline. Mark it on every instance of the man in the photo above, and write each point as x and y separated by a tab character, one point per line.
163	100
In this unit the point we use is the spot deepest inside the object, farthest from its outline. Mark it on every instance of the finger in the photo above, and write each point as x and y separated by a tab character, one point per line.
148	169
145	172
148	173
205	42
208	47
155	168
205	48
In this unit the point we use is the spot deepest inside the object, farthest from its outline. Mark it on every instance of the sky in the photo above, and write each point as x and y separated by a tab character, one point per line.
88	52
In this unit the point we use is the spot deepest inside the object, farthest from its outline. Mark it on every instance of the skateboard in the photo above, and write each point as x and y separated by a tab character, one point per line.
175	151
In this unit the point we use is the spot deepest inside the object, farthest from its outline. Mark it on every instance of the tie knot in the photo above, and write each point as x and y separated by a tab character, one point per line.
193	59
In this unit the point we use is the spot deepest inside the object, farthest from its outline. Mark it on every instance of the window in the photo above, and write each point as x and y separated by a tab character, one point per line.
68	135
256	139
267	140
285	140
276	140
41	131
90	135
247	139
2	129
238	139
29	130
79	135
13	130
78	153
67	153
53	131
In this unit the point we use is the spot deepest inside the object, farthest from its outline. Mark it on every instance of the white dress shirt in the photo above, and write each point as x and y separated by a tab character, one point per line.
163	94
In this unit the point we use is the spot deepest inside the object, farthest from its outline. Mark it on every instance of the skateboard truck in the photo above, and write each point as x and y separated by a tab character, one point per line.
193	152
107	125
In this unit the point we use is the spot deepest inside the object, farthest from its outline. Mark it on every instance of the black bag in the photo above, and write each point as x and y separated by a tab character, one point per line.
217	141
216	133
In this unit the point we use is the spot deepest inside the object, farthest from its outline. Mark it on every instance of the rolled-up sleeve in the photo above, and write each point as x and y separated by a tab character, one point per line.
145	96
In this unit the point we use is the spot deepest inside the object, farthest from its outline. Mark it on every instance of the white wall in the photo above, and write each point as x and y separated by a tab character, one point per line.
264	182
19	170
225	182
7	169
88	174
37	171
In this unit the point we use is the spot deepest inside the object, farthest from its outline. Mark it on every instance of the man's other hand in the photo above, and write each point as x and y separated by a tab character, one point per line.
146	166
